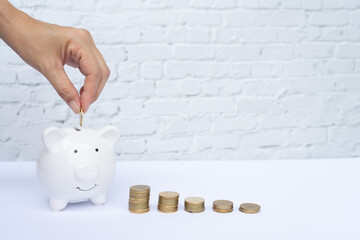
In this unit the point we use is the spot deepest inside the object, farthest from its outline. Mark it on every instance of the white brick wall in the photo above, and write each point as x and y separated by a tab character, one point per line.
201	79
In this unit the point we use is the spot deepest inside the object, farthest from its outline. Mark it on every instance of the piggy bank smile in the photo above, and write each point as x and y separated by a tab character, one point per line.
74	163
84	189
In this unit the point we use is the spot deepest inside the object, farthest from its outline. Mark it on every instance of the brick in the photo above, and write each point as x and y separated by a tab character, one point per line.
308	136
179	70
198	35
152	70
14	93
191	87
115	91
234	123
213	105
128	72
229	70
134	146
136	127
200	18
131	108
270	138
167	89
148	52
238	53
189	125
349	51
312	4
254	105
195	52
319	50
177	144
165	107
295	69
328	18
143	89
277	52
9	152
8	76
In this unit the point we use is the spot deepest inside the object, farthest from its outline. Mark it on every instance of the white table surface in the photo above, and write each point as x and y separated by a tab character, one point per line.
300	199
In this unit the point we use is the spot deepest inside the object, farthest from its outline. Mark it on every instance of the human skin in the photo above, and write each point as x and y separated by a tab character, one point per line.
48	47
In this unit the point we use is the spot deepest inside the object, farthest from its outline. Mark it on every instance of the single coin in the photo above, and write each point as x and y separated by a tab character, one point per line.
169	194
249	208
194	200
223	204
139	211
81	116
139	188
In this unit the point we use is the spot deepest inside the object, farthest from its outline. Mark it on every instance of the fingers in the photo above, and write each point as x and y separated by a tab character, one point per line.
89	66
97	72
92	65
104	70
63	86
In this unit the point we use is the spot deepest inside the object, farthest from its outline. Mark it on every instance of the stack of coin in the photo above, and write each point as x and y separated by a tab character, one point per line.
223	206
139	199
249	208
194	204
168	202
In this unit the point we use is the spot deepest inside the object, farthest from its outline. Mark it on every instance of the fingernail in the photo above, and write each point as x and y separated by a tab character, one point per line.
74	106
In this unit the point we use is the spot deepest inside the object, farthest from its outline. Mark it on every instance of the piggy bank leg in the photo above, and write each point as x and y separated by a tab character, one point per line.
99	200
57	204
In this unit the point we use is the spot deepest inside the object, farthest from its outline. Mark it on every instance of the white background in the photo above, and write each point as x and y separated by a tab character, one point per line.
205	79
300	199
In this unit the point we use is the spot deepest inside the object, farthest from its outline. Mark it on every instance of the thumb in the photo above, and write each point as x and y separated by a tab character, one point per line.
64	87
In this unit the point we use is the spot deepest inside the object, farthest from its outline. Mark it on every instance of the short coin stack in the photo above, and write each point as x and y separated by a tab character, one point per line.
139	199
168	202
249	208
194	204
223	206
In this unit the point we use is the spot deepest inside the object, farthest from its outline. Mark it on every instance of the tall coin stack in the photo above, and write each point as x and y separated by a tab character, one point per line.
139	199
194	204
168	202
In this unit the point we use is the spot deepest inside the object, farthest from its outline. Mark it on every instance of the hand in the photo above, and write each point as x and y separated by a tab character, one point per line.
48	47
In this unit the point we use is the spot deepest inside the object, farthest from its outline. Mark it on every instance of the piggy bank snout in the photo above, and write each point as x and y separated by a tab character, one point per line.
87	172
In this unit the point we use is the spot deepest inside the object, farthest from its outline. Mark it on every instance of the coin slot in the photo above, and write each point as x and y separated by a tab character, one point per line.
77	129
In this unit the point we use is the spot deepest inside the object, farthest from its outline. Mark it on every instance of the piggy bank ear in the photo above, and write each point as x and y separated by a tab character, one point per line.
111	133
51	136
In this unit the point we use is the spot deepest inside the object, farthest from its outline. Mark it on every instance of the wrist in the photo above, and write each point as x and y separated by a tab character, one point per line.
9	15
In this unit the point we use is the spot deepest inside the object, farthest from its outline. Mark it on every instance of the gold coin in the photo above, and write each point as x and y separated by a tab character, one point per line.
169	194
139	188
81	116
194	200
249	208
194	204
222	206
139	211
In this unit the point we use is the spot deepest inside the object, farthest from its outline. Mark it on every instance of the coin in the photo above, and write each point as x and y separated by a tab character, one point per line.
139	188
222	206
139	199
168	202
81	116
169	194
194	204
249	208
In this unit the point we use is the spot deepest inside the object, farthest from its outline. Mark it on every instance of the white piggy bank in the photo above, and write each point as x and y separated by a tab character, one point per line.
77	164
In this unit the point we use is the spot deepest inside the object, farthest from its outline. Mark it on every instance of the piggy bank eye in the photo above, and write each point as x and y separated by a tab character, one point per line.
96	149
75	151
